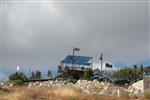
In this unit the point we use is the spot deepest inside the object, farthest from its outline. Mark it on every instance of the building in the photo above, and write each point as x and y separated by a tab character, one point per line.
74	66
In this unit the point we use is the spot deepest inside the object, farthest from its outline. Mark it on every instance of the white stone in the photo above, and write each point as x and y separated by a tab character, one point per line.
118	92
2	83
30	85
136	92
11	85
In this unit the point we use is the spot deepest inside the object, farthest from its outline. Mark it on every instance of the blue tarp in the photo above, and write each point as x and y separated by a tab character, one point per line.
78	60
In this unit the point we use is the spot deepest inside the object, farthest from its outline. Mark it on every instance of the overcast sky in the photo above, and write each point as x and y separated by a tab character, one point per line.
41	34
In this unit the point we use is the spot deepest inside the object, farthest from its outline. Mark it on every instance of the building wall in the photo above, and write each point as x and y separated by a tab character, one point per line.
146	83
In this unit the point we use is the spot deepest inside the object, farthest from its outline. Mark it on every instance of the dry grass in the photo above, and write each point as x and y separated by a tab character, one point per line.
147	95
43	93
37	93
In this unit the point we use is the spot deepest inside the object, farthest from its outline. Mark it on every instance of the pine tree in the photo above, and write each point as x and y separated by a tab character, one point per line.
32	74
49	74
141	69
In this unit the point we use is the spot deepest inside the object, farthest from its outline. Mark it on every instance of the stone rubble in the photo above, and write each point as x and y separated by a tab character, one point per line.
92	87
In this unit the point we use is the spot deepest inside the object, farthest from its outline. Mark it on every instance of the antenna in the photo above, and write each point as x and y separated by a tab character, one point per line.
101	59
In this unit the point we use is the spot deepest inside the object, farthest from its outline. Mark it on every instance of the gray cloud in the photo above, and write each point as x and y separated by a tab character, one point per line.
42	33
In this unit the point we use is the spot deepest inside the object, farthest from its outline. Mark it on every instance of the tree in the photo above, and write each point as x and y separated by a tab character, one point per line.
127	74
18	78
135	66
37	74
49	74
141	69
32	74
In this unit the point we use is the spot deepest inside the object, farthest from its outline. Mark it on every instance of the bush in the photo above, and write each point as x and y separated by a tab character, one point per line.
127	74
18	78
18	82
88	74
72	80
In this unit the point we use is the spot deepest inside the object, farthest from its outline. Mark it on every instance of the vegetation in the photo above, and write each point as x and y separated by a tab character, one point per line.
49	74
128	73
43	93
70	79
88	74
36	74
18	78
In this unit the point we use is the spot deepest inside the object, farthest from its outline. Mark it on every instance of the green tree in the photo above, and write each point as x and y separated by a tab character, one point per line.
127	74
141	69
18	78
32	75
49	74
135	66
37	74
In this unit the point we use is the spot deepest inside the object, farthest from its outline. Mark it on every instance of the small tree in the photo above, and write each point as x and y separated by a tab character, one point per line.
32	75
127	74
49	74
18	78
141	69
135	66
37	74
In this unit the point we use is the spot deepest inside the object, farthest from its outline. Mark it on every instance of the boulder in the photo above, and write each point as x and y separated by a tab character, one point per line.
11	84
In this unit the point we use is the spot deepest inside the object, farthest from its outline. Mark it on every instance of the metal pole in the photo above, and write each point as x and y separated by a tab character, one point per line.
101	58
73	58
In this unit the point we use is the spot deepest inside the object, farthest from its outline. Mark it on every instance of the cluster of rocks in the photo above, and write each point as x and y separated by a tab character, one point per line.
91	87
136	88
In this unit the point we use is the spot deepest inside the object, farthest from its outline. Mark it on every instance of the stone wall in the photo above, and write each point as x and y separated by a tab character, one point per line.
146	83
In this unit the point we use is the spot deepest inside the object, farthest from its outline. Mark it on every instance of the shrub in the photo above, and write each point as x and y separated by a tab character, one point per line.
70	79
18	82
18	78
88	74
36	75
127	74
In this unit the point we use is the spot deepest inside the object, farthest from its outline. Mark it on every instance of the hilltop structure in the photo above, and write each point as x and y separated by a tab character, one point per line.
74	66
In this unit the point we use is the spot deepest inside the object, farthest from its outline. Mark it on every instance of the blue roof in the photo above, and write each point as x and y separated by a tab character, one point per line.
78	60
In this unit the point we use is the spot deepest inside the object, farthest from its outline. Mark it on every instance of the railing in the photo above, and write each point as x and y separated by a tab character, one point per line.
109	75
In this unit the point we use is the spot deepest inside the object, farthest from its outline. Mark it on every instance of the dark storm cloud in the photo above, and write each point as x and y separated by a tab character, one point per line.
42	33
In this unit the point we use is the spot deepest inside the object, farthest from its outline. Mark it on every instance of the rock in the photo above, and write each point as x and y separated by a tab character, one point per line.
30	85
11	84
138	85
118	92
56	81
130	87
131	90
41	84
2	83
104	91
102	83
78	82
136	92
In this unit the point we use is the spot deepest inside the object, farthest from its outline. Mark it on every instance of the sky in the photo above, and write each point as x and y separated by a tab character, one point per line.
38	34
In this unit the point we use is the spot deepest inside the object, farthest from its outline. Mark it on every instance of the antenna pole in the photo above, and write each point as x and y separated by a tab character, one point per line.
101	59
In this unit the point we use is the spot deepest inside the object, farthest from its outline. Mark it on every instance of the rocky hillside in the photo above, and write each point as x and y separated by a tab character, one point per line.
84	88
